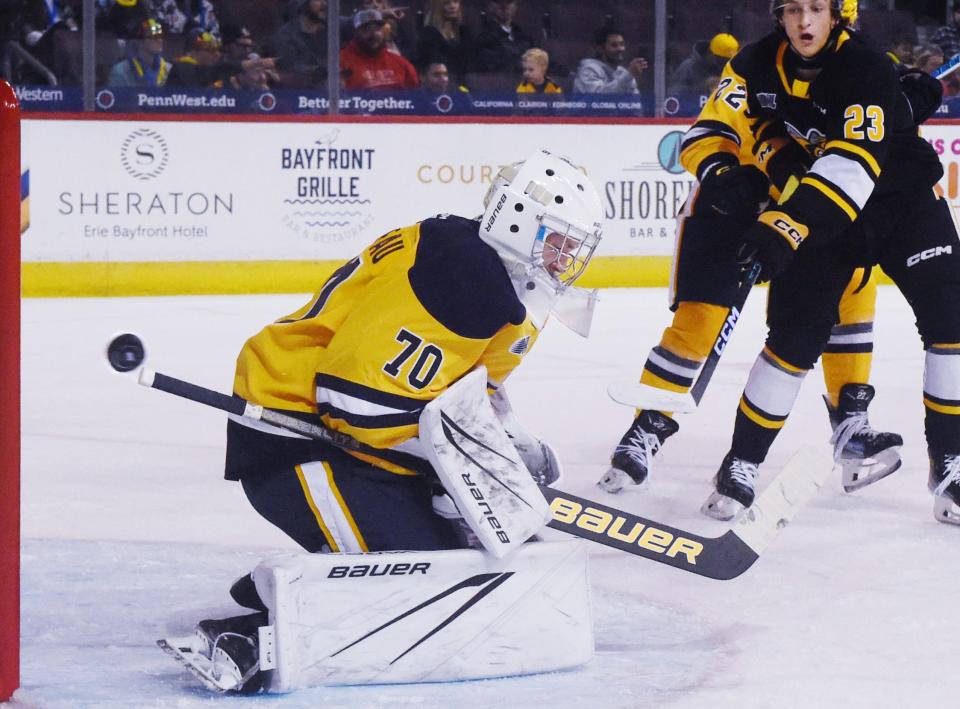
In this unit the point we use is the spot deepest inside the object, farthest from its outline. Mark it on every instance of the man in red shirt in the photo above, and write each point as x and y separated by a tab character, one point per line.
365	62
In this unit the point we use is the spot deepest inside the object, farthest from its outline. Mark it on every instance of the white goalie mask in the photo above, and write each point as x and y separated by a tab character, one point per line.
544	218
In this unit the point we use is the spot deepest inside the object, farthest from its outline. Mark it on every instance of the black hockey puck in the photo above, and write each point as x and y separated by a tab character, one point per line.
125	352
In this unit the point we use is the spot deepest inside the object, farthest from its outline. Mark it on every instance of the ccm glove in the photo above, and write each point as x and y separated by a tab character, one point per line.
772	240
738	191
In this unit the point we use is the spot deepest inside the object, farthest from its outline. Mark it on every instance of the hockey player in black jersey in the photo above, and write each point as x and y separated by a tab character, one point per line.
811	93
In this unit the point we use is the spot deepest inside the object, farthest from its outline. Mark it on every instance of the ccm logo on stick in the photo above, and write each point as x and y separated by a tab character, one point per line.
928	254
604	523
726	330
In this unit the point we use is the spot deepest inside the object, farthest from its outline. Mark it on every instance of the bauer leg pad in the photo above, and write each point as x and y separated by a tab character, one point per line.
401	617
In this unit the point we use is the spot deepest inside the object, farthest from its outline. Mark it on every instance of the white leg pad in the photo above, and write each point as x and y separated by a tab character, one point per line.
400	617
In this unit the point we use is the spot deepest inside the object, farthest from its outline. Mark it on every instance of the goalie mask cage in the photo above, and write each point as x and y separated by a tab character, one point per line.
10	201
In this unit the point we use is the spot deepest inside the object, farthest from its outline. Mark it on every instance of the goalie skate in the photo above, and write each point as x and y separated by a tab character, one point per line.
223	660
188	651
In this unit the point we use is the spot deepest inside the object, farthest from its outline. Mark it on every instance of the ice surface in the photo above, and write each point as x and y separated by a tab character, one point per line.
130	532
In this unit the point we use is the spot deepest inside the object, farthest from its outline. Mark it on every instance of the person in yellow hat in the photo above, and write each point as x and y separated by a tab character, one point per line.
706	60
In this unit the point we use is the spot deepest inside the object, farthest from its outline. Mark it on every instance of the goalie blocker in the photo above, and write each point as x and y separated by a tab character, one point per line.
401	617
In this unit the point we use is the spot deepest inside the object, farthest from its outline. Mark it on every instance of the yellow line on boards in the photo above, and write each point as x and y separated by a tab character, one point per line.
123	279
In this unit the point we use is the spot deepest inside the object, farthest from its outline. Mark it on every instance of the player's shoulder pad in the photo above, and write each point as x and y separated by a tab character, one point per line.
461	281
757	56
866	67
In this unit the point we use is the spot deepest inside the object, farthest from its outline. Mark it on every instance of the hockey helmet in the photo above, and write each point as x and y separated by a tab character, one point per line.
846	10
544	214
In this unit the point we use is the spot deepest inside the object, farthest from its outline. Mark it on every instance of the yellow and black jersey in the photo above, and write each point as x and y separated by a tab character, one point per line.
388	332
852	122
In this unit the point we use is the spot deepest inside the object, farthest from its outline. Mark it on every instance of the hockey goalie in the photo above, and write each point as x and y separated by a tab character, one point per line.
419	567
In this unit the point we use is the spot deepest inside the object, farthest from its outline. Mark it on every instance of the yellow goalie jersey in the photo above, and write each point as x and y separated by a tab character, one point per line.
388	332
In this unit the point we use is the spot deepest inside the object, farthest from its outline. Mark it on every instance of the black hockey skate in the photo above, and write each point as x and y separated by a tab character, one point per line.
863	454
223	654
735	484
944	483
634	454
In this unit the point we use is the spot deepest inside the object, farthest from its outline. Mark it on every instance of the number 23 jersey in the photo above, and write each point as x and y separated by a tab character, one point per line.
851	120
389	331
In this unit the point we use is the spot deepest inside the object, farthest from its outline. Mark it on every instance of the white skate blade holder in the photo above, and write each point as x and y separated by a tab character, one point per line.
644	396
858	473
944	510
197	664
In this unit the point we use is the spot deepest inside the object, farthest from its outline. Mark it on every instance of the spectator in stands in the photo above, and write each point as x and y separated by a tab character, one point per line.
38	17
200	66
948	36
535	80
605	73
48	31
240	66
146	65
445	37
300	45
124	17
181	16
237	43
927	58
365	63
902	49
706	60
435	78
501	41
397	38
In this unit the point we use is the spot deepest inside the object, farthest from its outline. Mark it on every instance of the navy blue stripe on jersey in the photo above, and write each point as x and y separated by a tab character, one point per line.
943	350
708	129
667	375
763	414
461	281
337	385
335	279
369	421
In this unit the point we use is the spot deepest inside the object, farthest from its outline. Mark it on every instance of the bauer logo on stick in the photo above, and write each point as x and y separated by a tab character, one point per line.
125	352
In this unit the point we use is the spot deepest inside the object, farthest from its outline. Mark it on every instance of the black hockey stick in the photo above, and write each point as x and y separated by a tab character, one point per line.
723	557
644	396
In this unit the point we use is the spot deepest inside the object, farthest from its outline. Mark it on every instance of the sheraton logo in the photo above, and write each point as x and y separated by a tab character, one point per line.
144	154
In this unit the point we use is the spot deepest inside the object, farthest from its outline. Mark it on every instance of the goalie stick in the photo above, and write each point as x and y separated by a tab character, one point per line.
644	396
723	557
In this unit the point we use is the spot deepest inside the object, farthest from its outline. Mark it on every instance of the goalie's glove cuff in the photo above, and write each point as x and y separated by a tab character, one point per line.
540	459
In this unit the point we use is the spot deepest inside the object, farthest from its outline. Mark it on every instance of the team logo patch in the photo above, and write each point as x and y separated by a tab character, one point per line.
520	346
767	100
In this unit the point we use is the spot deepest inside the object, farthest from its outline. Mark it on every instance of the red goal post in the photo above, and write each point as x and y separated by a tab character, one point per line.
9	391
